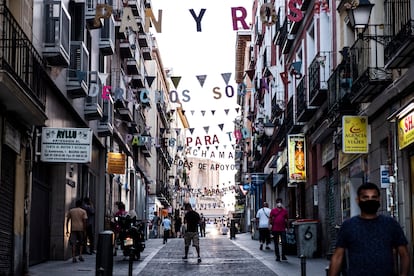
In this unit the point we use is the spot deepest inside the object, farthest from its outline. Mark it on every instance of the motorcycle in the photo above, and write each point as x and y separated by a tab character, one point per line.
131	236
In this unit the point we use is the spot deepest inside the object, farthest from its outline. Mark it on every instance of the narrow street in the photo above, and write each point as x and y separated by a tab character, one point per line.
220	256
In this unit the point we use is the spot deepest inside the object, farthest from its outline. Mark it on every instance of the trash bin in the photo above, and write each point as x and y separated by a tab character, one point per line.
104	254
306	237
290	247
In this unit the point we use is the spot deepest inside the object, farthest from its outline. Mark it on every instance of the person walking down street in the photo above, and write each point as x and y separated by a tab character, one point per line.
116	225
279	221
262	223
192	219
77	217
202	226
155	222
370	240
177	226
166	224
90	233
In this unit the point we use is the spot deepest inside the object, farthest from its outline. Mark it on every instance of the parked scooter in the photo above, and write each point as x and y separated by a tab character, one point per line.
131	236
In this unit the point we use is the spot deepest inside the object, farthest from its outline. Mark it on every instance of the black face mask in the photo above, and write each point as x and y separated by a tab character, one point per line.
369	206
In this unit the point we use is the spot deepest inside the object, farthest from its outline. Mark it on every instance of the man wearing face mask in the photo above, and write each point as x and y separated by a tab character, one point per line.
370	239
279	221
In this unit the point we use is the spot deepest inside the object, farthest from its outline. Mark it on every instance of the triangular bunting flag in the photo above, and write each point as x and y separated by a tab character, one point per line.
150	80
221	126
203	112
183	111
201	79
208	147
192	112
212	112
226	77
191	130
250	74
172	111
162	130
206	128
227	111
178	131
176	81
237	109
217	147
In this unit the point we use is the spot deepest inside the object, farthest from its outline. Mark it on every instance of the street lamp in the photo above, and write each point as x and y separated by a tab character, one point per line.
359	15
269	128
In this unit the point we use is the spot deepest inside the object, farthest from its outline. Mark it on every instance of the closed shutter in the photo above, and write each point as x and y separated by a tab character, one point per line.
6	207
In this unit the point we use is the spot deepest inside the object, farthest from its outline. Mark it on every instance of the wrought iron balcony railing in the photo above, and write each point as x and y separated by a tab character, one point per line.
19	58
369	74
319	71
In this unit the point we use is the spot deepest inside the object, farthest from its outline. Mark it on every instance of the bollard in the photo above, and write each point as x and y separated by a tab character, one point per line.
327	270
303	265
104	255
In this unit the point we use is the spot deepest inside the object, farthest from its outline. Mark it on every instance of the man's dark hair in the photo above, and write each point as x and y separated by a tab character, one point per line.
187	206
78	203
279	200
368	186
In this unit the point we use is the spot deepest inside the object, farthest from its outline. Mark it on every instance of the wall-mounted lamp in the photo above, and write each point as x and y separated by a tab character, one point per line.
359	15
269	128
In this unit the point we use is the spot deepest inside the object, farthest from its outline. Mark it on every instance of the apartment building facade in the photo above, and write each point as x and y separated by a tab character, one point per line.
77	67
312	65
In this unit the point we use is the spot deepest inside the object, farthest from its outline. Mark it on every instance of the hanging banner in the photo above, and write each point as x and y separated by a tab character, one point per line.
66	145
116	163
297	158
354	134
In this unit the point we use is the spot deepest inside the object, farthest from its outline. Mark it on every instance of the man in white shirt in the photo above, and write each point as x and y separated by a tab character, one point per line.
262	223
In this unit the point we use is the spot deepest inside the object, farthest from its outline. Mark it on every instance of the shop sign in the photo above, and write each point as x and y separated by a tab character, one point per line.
385	176
406	130
116	163
296	158
66	145
354	134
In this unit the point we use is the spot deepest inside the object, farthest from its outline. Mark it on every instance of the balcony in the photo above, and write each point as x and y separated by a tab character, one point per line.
132	66
146	53
292	125
399	52
78	77
339	92
106	124
125	49
319	71
369	78
137	81
162	111
281	37
303	111
57	30
23	78
121	106
107	41
94	102
135	7
142	40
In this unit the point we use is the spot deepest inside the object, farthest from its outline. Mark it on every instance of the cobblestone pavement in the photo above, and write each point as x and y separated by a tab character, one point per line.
220	256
